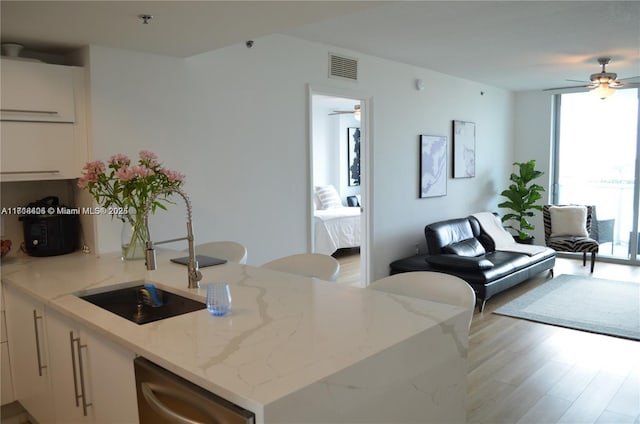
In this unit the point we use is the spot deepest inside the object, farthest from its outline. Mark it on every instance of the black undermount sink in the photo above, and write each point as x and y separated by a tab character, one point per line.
134	304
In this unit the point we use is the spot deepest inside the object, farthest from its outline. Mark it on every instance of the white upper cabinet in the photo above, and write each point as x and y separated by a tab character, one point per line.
36	92
38	151
43	121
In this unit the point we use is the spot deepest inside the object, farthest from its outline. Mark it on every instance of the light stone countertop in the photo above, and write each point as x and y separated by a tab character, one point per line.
284	333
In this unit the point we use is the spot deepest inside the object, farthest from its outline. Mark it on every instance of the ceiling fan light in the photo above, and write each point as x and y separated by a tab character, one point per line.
603	91
356	115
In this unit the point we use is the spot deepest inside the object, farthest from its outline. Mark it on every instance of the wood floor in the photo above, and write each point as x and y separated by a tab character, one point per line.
349	266
526	372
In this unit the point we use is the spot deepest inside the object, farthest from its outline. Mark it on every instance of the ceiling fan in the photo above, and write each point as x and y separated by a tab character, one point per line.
355	112
603	83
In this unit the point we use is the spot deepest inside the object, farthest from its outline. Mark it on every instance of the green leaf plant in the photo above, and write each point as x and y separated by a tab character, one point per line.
522	196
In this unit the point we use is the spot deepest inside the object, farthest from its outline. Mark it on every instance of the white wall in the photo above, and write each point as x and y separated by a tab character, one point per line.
326	143
235	121
140	101
533	140
401	115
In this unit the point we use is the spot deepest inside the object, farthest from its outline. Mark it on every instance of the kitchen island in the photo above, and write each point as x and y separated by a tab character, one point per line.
292	349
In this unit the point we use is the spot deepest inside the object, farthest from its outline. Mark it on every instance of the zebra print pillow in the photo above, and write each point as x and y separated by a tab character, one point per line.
568	221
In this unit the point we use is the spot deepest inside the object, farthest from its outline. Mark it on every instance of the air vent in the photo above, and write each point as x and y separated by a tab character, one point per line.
343	67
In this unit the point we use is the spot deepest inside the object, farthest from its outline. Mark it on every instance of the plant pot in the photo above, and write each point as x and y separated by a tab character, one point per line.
529	240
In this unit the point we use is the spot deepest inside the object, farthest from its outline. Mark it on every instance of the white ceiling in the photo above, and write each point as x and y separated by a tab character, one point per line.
517	45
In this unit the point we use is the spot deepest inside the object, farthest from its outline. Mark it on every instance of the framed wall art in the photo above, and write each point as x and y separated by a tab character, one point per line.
433	165
464	149
353	156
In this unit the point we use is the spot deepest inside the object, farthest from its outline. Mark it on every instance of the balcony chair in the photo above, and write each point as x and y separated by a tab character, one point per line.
602	229
567	229
315	265
230	250
428	285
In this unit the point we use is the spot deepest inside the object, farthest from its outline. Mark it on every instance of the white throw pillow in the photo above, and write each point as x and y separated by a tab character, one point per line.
568	221
328	197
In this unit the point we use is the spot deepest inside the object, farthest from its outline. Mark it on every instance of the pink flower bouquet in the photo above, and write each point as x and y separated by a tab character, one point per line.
119	185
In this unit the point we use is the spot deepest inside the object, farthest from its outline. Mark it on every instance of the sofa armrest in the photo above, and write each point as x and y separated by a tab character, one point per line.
459	262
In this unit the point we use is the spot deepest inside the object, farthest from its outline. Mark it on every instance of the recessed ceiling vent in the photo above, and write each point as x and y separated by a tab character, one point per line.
343	67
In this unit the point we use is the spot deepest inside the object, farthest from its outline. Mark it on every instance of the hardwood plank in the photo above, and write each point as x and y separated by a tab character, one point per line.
627	400
519	370
349	260
571	386
609	417
495	341
593	401
547	410
480	402
479	376
525	395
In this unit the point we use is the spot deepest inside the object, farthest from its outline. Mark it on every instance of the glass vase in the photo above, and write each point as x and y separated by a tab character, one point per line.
133	237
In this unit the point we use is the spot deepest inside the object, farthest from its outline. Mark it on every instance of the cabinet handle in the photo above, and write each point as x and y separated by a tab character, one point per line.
49	171
73	367
35	326
163	410
38	112
83	392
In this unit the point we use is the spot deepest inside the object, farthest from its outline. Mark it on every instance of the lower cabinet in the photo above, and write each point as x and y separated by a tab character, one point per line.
64	372
6	389
28	353
93	377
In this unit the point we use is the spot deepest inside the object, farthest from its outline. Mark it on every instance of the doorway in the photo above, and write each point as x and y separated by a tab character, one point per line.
596	164
339	149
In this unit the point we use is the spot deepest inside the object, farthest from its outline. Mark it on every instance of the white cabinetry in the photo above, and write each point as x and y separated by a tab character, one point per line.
38	150
36	92
6	390
43	128
94	377
29	356
64	372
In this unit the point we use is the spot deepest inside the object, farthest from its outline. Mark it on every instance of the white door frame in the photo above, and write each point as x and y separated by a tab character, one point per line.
366	105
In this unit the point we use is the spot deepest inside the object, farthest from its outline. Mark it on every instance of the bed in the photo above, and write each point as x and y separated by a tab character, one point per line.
336	228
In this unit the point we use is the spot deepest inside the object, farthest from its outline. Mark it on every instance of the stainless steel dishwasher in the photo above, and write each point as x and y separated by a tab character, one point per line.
164	397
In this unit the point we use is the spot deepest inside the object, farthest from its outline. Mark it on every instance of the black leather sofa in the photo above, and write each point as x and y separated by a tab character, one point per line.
461	247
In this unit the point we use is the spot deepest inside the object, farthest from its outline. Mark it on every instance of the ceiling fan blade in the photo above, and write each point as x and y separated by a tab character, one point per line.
562	88
602	79
340	112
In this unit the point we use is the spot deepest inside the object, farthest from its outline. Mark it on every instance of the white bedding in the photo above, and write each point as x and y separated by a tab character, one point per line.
336	228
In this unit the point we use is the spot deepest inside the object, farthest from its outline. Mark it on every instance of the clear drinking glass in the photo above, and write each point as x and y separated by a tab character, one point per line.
218	298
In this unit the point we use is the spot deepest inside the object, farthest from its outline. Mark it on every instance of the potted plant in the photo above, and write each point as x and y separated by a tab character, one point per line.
522	196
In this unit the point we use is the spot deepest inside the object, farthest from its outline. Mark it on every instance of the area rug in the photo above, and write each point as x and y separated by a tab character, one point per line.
583	303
